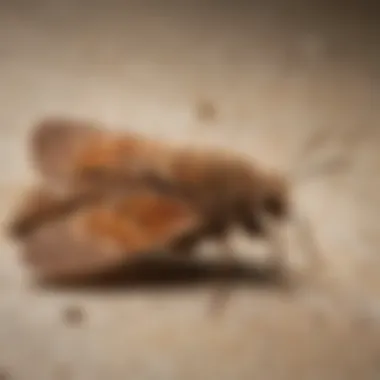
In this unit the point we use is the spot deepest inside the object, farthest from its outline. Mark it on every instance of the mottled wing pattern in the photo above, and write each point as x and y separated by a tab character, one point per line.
65	150
100	235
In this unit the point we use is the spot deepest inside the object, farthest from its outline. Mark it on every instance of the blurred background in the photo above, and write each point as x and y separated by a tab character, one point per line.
258	77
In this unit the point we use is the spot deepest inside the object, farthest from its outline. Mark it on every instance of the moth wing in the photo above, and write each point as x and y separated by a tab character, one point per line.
53	252
33	203
163	217
138	222
45	227
39	205
55	142
106	235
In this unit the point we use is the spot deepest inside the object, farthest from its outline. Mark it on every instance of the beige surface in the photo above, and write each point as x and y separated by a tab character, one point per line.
258	80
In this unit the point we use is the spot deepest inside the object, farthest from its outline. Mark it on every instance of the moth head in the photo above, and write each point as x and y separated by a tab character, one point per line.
276	195
279	194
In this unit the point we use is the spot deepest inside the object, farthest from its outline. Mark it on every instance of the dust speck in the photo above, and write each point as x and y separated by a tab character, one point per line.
206	111
73	315
62	372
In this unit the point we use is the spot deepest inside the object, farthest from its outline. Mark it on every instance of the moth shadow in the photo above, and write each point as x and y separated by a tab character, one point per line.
170	274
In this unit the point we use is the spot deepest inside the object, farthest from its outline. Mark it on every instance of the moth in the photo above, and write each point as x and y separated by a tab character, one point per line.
227	189
223	189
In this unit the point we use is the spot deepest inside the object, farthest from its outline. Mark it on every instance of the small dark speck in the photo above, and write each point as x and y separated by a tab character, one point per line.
73	315
62	372
206	111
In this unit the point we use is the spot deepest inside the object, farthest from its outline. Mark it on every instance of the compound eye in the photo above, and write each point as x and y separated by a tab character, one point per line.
275	206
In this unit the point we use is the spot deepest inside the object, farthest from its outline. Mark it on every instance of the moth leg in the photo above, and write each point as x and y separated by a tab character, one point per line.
278	269
185	245
228	254
223	288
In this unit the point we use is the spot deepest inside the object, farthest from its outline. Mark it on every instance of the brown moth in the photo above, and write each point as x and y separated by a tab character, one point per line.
224	189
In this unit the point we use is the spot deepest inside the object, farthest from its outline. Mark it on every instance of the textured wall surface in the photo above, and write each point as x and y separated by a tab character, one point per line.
258	79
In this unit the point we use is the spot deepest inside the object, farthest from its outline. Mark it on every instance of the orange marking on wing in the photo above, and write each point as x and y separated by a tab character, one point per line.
123	232
98	151
108	152
141	223
155	212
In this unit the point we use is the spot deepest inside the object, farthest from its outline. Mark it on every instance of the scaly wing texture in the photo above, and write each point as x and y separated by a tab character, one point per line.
101	235
69	151
54	145
33	208
53	252
40	205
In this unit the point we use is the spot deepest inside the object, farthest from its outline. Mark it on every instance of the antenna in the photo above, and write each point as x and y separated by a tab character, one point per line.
329	163
304	169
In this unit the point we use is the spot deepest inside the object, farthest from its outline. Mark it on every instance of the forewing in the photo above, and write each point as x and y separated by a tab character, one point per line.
106	235
55	143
